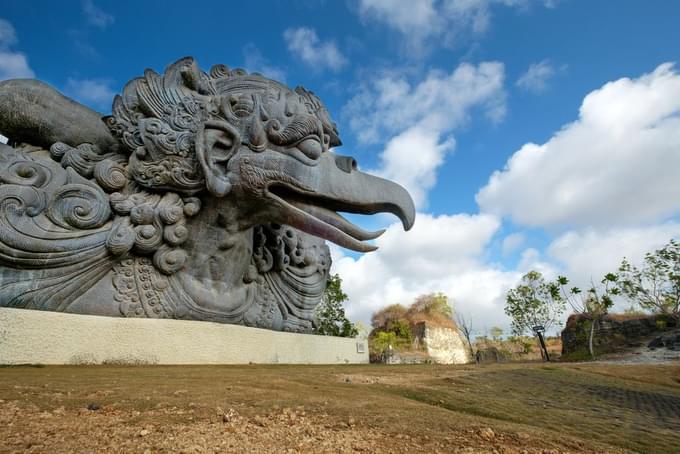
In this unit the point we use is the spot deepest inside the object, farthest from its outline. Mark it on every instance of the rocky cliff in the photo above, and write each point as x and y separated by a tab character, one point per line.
613	332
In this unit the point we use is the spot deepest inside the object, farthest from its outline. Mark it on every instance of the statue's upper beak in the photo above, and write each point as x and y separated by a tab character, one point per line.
335	185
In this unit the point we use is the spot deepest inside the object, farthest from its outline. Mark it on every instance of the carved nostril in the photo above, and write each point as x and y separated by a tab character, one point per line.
345	163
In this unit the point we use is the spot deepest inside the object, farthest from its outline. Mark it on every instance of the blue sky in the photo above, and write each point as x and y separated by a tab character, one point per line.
443	96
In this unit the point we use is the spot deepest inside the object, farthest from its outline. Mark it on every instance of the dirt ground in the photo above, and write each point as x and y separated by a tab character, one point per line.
530	407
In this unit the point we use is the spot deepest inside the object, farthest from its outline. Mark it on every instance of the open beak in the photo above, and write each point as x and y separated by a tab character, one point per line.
335	185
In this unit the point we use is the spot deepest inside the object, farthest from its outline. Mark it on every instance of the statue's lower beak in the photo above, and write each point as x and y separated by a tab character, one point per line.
335	185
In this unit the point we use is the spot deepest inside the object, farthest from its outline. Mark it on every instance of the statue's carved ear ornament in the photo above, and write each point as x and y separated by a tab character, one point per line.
216	142
91	198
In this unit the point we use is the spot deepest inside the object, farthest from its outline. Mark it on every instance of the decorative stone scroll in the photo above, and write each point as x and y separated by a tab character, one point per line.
203	196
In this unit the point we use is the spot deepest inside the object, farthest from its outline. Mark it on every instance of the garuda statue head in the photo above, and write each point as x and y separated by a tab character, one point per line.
203	196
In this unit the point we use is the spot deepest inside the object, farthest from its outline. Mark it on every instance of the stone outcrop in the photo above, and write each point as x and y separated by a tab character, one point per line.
613	332
444	345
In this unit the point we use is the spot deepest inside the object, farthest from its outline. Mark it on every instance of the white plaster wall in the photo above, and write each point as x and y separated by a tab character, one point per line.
40	337
445	346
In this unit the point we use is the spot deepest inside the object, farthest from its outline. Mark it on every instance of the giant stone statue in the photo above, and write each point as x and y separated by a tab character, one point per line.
204	196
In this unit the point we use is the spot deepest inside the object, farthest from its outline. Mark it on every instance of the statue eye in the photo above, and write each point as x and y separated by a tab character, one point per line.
311	146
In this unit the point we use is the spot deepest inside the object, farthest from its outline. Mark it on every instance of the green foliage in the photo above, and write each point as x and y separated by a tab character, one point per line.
382	341
596	301
496	333
388	318
433	307
331	319
393	325
533	302
655	286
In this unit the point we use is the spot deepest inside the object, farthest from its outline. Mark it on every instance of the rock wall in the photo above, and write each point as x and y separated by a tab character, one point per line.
443	345
612	332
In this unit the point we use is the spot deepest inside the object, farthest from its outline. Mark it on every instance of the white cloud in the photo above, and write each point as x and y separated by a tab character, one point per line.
94	92
305	44
419	175
96	16
590	253
13	65
440	102
535	79
616	165
442	253
512	242
8	36
425	22
254	61
418	119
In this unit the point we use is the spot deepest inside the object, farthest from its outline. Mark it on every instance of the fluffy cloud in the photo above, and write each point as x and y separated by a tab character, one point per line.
535	79
96	16
440	102
590	253
419	175
616	165
418	119
305	44
424	22
443	253
94	92
13	65
512	242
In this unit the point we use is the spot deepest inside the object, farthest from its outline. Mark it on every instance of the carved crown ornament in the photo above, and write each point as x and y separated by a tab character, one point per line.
204	196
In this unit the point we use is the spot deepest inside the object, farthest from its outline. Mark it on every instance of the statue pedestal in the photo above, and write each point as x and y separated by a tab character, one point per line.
40	337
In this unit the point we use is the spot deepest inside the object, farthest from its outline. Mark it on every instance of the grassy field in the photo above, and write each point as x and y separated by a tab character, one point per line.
530	407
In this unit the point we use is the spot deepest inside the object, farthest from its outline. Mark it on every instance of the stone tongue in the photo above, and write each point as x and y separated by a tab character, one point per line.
332	218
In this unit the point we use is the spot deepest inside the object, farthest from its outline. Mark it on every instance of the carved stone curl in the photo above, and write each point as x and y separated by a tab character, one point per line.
204	196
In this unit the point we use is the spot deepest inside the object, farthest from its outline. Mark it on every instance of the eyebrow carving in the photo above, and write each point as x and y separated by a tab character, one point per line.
302	126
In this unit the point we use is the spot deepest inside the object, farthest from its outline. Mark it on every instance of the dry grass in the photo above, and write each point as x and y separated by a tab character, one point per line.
528	407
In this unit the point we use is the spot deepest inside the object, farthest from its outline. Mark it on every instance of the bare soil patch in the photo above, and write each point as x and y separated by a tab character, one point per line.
528	407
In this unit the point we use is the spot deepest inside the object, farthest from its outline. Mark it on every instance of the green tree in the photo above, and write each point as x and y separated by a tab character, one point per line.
433	308
496	333
389	318
595	303
655	286
330	315
534	302
382	341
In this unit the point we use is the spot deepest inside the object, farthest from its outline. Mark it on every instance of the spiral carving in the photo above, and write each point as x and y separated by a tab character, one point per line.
148	238
170	208
169	260
121	237
22	200
78	206
175	234
110	175
26	173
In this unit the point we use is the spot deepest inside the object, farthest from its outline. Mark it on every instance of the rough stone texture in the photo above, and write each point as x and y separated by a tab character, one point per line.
491	355
612	333
204	196
443	345
39	337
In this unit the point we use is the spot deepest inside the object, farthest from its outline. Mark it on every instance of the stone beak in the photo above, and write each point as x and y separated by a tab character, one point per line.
312	200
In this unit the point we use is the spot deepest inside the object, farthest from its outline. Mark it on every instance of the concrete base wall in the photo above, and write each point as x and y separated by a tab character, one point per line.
39	337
